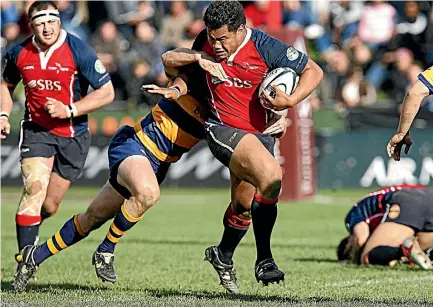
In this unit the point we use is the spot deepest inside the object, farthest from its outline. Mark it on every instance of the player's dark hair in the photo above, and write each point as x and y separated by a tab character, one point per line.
342	253
40	5
221	13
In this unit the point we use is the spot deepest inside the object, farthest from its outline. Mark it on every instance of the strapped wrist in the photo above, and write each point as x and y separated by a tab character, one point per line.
177	89
4	115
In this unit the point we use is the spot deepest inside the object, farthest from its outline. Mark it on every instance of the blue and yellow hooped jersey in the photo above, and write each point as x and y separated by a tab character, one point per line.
172	128
426	77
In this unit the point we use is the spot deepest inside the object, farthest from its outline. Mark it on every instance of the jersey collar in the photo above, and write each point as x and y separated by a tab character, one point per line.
246	39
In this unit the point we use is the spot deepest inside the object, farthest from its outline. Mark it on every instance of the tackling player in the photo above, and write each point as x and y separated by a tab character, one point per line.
233	130
56	69
382	226
411	104
139	158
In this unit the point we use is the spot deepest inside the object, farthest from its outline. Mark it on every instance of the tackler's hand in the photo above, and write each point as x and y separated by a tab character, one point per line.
56	108
5	127
278	100
171	93
396	143
277	125
212	67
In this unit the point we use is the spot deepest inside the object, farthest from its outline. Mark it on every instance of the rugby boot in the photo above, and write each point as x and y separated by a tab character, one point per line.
26	268
226	272
104	266
267	272
415	254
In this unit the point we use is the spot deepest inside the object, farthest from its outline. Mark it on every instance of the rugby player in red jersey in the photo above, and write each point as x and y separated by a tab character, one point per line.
56	69
236	60
139	157
383	225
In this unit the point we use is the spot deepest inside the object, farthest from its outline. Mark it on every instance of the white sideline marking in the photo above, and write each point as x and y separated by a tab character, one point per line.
349	283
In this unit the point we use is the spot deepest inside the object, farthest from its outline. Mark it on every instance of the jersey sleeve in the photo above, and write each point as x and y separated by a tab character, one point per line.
352	218
200	40
278	54
11	73
88	64
426	78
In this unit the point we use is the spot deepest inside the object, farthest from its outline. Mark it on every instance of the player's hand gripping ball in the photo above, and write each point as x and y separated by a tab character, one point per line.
283	78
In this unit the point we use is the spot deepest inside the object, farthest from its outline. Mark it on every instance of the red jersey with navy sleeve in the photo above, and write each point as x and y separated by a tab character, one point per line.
63	73
235	102
372	207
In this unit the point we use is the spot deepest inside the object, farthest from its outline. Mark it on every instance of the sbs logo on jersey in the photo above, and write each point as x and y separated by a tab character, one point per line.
42	85
236	82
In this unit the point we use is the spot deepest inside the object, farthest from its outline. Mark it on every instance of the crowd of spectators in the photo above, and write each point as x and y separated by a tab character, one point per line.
371	51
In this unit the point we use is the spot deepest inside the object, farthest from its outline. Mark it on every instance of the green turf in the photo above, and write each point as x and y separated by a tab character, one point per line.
159	262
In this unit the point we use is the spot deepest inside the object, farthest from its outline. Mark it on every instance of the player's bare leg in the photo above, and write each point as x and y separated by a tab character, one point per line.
237	219
252	163
390	242
103	208
136	174
36	174
57	188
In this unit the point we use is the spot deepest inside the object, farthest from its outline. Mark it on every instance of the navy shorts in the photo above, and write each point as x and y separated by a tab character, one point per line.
124	144
416	209
69	153
222	140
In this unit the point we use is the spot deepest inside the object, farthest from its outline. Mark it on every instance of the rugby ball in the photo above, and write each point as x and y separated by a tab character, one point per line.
284	78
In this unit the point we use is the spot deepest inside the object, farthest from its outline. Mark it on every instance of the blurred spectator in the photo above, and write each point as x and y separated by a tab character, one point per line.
10	36
110	45
345	16
257	13
73	16
141	74
175	24
411	29
298	14
377	23
356	91
403	62
124	15
147	44
9	13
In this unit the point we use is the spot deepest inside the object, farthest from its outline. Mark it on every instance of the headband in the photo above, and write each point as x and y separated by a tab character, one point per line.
45	15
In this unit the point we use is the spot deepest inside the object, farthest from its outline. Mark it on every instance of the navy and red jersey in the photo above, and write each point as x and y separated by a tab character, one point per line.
63	73
372	207
235	102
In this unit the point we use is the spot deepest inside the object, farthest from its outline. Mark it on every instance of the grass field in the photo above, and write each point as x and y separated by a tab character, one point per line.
160	261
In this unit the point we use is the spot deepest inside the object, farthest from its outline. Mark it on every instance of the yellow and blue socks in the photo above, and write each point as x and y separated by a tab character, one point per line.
68	235
122	223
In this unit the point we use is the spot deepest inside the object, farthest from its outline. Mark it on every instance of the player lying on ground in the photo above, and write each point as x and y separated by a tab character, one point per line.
139	158
411	104
56	69
236	119
389	224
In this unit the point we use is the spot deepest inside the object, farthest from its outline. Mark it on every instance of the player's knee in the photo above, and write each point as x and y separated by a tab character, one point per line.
146	197
270	185
49	208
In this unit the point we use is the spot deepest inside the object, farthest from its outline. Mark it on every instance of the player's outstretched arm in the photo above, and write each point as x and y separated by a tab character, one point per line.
411	105
180	57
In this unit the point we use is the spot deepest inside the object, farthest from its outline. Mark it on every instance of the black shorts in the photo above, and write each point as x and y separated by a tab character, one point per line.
222	140
416	209
70	153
